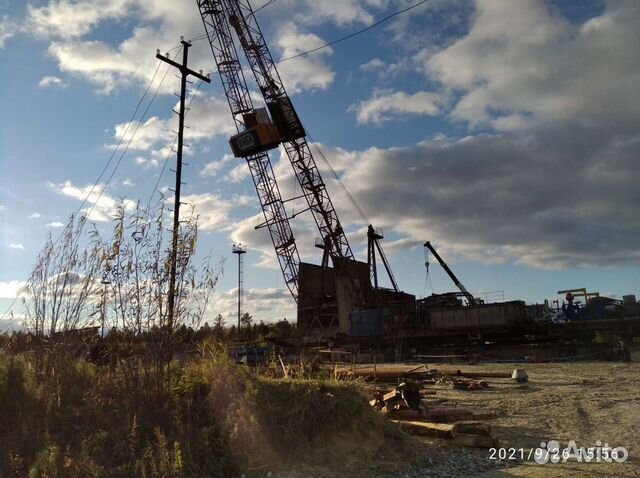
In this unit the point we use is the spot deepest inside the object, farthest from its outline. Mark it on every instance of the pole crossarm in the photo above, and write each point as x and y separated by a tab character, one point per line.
183	68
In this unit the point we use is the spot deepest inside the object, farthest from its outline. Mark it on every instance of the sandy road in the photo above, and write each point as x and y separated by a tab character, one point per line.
583	402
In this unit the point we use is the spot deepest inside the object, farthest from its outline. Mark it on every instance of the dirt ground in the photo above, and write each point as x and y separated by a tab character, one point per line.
584	402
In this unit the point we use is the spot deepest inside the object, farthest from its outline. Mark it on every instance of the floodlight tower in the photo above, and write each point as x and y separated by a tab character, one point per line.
239	249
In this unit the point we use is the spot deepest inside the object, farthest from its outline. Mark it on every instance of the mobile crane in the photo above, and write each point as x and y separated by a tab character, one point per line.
470	298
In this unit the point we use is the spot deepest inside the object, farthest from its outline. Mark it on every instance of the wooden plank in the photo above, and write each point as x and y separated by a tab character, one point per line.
474	428
438	430
471	374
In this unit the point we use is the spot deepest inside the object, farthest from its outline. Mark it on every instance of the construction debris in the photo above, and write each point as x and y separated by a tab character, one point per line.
404	405
470	385
405	395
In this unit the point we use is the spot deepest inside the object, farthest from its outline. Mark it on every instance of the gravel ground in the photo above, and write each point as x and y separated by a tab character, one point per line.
583	402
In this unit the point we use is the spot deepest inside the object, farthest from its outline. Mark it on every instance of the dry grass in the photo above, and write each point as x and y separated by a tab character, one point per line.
212	418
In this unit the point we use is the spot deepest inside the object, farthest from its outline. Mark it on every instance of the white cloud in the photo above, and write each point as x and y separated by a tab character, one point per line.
128	182
238	173
214	210
19	247
340	12
67	19
214	167
268	305
50	81
522	63
55	225
35	215
209	117
3	207
101	207
374	64
306	72
497	198
11	289
386	71
132	62
385	105
7	29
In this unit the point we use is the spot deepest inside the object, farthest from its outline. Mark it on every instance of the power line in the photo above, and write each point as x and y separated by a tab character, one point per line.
263	6
144	114
326	45
106	167
95	184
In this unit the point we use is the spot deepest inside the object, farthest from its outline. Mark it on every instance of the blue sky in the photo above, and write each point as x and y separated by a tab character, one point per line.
506	133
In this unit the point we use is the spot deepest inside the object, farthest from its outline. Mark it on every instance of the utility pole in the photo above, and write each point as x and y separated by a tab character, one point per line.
239	249
185	72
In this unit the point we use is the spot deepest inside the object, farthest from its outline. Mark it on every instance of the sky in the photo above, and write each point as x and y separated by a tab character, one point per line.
506	133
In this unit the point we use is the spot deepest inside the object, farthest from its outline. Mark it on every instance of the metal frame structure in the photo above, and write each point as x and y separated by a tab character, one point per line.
373	242
243	20
216	24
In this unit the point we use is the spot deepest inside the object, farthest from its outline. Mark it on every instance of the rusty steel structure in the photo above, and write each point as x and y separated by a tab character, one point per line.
215	19
262	129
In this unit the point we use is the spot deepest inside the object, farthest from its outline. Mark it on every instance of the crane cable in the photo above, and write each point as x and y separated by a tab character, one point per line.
333	42
351	35
427	277
339	181
142	117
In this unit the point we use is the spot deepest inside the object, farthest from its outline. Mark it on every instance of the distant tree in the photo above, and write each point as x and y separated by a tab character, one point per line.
283	328
203	332
218	327
262	330
233	333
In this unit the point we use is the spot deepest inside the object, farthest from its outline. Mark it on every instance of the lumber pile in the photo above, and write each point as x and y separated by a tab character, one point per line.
430	418
406	405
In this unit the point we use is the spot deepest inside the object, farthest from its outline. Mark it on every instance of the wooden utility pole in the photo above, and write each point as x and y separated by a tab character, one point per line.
185	72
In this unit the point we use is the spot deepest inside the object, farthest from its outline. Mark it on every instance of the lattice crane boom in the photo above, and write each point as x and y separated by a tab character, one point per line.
290	129
215	21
